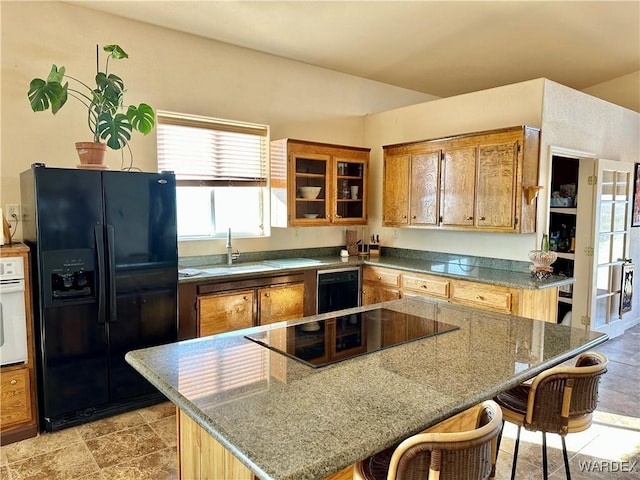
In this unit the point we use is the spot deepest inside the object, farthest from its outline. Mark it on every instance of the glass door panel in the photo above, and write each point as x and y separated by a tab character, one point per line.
350	190
612	213
311	193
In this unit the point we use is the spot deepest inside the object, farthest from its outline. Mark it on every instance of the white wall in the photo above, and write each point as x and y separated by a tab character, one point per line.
177	72
517	104
623	91
576	121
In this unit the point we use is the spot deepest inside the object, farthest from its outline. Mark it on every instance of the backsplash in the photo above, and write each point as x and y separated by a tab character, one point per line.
464	260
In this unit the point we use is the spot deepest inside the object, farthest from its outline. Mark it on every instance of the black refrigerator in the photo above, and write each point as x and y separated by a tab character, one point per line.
104	250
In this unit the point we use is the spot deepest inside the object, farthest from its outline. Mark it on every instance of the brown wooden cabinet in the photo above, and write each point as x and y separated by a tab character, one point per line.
18	414
340	173
467	182
223	312
383	283
280	302
233	305
379	285
411	189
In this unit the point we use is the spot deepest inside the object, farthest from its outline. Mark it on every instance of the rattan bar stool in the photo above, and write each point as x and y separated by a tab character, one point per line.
463	447
559	400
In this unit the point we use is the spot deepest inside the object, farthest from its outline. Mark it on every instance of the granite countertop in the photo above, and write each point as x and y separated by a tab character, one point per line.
451	267
289	421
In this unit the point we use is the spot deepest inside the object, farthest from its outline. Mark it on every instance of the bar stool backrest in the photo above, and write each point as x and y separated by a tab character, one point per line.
561	394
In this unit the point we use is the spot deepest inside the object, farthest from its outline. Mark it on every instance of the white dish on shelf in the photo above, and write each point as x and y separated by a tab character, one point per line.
310	215
310	193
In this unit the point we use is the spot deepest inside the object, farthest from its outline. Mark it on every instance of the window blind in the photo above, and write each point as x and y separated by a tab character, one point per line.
212	151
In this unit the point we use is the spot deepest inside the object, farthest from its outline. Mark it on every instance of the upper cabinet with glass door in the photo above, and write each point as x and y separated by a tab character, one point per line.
318	184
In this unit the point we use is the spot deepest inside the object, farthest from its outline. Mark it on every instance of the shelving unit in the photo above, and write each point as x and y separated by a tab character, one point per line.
563	215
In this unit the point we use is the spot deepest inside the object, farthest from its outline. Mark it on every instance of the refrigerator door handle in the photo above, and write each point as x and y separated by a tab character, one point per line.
101	272
111	262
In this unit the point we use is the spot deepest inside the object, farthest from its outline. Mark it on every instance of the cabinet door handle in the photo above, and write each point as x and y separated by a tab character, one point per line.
266	294
479	297
404	216
424	286
413	217
482	218
13	382
469	218
245	298
378	278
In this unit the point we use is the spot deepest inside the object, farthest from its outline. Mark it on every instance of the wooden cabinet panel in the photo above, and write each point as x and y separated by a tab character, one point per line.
492	297
384	276
425	174
15	387
225	311
279	303
474	181
395	202
18	395
372	293
201	457
496	183
425	285
457	187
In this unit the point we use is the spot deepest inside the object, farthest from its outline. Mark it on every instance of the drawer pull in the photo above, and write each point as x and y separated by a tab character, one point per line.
13	382
480	297
379	277
424	286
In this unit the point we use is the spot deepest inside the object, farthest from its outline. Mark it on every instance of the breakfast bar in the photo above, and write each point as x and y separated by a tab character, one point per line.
304	399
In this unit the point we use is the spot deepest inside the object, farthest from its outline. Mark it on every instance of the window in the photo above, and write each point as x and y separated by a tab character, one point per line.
221	174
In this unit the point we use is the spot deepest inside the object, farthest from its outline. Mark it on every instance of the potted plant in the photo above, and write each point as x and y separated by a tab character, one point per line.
111	122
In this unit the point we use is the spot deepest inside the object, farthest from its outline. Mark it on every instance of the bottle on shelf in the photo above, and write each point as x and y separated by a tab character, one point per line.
572	240
345	189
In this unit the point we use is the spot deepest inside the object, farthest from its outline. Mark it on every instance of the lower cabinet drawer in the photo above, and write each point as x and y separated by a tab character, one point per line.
425	285
492	297
381	275
15	403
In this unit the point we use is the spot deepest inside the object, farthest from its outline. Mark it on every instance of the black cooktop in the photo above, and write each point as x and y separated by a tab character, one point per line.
329	341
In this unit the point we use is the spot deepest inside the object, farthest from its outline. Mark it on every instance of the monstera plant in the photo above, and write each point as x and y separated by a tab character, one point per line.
110	121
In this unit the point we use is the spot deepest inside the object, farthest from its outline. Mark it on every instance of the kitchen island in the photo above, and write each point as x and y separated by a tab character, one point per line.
247	409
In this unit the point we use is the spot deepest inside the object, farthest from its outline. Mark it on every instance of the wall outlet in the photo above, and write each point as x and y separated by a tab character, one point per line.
13	212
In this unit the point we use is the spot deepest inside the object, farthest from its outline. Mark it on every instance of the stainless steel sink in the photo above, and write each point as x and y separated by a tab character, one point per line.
292	262
241	268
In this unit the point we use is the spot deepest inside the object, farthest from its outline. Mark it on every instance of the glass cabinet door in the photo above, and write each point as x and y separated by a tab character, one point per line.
311	195
350	190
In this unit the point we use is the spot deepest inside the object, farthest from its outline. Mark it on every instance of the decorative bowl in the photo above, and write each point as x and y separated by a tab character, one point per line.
310	192
310	215
540	258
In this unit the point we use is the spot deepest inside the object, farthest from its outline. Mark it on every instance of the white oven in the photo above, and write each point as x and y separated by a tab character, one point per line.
13	322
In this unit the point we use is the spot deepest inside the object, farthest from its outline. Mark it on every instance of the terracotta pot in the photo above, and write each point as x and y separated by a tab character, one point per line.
91	153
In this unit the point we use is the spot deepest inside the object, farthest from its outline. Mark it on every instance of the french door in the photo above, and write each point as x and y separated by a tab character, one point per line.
614	181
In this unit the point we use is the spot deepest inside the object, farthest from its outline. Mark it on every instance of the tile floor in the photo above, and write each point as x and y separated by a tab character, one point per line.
141	445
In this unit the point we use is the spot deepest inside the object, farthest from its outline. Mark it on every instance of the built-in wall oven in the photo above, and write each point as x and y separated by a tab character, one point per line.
338	289
13	322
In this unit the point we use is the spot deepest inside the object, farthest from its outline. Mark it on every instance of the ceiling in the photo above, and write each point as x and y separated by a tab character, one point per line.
439	48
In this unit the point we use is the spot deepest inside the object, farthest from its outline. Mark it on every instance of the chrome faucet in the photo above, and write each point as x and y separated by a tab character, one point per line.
230	255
